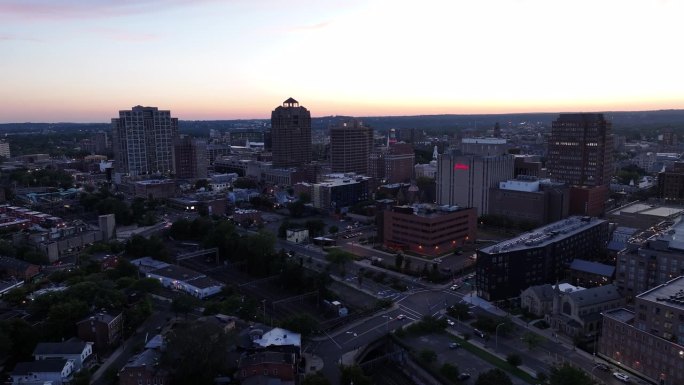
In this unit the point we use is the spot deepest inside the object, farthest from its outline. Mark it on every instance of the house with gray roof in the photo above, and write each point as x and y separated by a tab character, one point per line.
54	372
76	350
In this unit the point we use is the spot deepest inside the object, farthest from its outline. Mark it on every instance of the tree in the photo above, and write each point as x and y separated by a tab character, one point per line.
450	371
197	351
494	377
514	359
399	260
354	374
315	378
302	323
339	258
183	304
296	209
333	229
315	227
532	340
569	375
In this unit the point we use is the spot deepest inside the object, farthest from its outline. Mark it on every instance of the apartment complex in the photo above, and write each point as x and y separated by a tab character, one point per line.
350	146
541	256
650	339
190	158
142	141
290	135
429	229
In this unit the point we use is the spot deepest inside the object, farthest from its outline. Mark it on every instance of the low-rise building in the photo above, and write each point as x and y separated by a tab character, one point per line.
429	229
189	281
541	256
53	372
75	350
102	329
144	368
578	313
275	365
590	274
650	339
18	269
297	235
538	299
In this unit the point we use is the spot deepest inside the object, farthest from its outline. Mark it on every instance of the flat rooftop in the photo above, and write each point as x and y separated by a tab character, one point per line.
622	315
545	235
670	293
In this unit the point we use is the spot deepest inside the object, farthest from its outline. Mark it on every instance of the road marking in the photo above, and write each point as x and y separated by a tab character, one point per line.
411	312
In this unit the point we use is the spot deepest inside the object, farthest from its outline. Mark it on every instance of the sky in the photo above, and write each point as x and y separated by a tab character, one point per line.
84	60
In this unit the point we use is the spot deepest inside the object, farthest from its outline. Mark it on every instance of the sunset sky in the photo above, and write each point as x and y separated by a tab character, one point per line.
83	60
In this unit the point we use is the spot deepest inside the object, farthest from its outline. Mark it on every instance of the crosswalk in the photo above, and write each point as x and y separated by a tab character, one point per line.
410	313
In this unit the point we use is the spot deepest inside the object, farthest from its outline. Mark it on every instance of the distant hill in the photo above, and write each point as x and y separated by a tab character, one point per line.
622	120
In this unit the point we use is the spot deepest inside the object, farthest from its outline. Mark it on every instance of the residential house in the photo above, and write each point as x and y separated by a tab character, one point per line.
297	235
144	368
253	368
53	372
102	329
75	350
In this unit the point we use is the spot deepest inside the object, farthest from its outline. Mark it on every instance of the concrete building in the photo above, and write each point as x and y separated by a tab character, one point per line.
291	135
649	340
102	329
580	153
671	183
142	141
155	188
189	158
541	256
399	161
5	149
466	180
484	146
530	199
652	257
336	191
107	226
350	146
641	215
428	229
189	281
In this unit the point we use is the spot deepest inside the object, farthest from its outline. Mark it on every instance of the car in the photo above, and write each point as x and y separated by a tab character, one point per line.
455	287
401	317
463	376
450	322
479	333
621	376
454	345
603	367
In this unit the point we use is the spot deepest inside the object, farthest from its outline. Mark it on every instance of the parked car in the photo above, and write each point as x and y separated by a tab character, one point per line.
401	317
479	333
621	376
603	367
463	376
450	322
455	287
454	345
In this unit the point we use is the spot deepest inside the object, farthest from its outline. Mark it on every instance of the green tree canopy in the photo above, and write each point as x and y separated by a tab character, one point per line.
494	377
569	375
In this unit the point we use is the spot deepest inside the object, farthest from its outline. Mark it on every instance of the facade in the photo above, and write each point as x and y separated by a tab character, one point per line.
268	364
155	188
53	372
107	226
466	180
189	281
530	199
484	146
350	146
142	140
190	158
580	153
650	339
671	183
578	313
4	149
652	257
291	135
642	215
337	191
144	368
399	160
538	299
102	329
590	274
541	256
76	351
428	229
297	235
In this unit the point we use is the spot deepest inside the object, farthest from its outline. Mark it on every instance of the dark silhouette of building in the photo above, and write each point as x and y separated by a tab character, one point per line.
291	135
350	146
142	141
538	257
580	153
529	199
671	182
190	158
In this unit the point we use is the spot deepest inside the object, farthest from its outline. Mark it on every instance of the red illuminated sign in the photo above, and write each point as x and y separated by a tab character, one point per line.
460	166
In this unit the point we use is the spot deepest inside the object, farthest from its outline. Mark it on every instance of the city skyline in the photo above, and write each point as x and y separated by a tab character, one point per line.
237	59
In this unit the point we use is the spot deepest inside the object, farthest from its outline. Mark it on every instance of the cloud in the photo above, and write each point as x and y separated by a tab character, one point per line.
17	38
79	9
321	25
124	35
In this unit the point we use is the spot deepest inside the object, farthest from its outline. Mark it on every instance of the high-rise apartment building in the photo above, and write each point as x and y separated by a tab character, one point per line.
580	153
350	146
466	180
290	135
190	158
142	141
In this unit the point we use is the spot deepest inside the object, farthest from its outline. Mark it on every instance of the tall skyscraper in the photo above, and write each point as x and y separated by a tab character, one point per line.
142	141
580	153
350	146
291	135
190	158
581	150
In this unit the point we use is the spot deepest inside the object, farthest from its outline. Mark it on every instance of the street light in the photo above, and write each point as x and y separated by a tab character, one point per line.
496	335
388	320
591	372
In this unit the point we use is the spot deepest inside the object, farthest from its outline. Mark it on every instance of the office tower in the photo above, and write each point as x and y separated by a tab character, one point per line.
466	180
350	146
143	141
4	149
190	158
580	153
399	161
291	135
